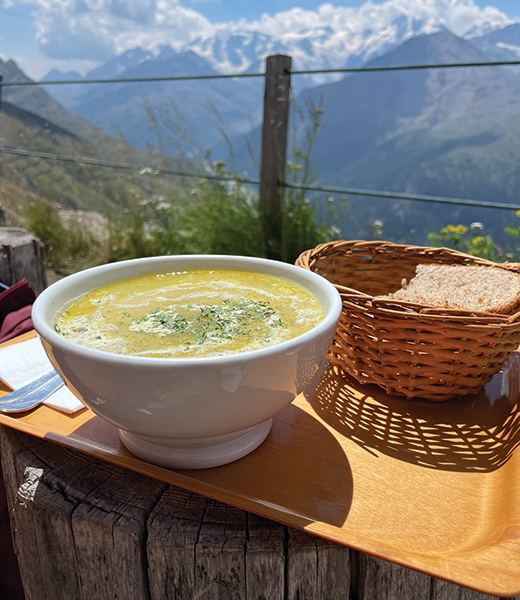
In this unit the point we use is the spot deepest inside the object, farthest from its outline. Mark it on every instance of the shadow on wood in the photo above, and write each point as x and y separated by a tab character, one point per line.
88	529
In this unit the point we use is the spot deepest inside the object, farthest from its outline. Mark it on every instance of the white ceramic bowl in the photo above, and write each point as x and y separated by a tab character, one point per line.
187	412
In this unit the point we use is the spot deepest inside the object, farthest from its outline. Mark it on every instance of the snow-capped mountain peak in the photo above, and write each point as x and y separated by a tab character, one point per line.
333	37
329	37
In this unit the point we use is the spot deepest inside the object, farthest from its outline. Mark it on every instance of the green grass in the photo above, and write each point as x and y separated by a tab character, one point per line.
147	214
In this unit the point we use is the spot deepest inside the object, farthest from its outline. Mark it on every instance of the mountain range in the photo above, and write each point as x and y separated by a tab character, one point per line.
211	109
442	132
438	132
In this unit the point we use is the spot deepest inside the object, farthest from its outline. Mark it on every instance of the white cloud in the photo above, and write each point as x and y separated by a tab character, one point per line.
96	30
99	29
332	33
457	15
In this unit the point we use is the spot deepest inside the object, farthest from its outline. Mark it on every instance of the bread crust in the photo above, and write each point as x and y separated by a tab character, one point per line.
493	289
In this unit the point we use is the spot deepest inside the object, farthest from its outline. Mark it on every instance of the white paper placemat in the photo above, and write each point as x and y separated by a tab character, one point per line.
24	362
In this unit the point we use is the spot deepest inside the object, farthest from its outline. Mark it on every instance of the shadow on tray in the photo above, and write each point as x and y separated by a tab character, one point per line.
475	433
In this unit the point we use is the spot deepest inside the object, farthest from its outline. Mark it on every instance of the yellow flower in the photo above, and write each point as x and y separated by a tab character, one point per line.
455	229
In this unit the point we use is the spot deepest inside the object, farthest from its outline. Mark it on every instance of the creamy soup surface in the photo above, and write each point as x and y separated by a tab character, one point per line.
195	313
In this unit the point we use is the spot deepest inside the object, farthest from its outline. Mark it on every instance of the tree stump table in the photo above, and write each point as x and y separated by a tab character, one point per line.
87	529
22	256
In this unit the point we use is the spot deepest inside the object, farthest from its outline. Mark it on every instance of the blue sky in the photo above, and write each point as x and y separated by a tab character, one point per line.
81	34
228	10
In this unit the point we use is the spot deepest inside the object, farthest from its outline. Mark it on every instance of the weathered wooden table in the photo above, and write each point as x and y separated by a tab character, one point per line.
22	256
87	529
434	487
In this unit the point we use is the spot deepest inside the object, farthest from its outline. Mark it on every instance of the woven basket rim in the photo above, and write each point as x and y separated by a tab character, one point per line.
400	307
409	349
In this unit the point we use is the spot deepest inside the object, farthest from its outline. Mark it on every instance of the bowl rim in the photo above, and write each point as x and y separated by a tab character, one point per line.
46	298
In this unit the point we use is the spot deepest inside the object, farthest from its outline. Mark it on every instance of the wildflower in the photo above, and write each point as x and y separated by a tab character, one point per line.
456	229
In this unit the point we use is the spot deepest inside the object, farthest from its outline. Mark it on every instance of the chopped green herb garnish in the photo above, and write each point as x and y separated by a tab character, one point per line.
210	321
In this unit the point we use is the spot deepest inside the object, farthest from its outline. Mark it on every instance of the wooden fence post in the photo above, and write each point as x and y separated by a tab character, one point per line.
274	148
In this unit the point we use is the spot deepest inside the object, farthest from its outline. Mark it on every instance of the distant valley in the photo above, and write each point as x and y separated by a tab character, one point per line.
438	132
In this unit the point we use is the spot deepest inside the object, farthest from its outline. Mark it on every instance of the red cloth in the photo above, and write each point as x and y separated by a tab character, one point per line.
15	310
18	295
15	323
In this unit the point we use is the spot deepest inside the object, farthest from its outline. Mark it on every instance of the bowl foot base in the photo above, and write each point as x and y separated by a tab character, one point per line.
201	453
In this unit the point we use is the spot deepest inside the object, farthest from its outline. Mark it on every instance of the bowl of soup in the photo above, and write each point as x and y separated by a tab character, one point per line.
190	357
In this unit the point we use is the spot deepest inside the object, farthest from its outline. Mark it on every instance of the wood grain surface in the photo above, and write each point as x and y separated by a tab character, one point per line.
426	486
87	529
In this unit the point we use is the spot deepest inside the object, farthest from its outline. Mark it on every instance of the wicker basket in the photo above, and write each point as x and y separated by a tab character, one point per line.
407	349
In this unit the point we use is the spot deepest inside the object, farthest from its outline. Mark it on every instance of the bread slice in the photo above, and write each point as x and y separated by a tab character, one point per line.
465	287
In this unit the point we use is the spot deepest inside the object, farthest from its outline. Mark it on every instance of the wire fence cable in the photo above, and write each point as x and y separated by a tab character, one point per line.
146	170
317	188
497	63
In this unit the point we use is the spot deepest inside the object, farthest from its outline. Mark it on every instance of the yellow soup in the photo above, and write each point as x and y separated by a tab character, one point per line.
190	313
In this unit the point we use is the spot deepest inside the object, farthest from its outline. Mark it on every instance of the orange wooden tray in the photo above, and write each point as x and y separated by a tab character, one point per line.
430	486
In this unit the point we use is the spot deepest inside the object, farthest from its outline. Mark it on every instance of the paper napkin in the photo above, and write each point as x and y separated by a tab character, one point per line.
24	362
